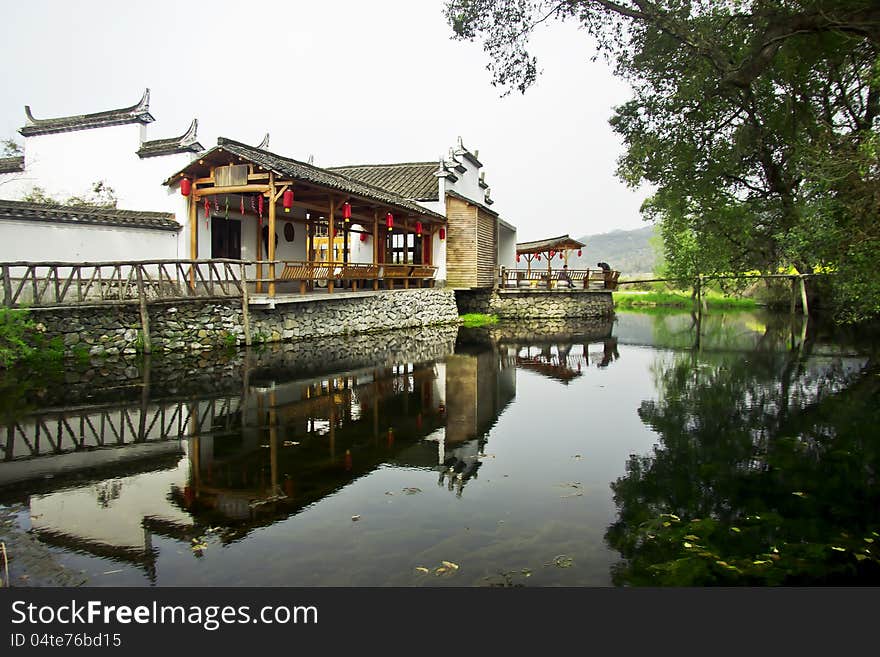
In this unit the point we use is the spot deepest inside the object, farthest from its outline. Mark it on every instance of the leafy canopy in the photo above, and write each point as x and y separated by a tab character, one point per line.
755	120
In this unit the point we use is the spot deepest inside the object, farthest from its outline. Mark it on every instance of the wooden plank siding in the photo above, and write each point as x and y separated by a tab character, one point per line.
471	251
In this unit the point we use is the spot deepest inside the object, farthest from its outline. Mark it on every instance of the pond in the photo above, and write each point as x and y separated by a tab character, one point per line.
651	449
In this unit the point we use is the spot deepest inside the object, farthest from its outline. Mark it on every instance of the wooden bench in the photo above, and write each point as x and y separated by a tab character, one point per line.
359	273
391	273
307	273
423	273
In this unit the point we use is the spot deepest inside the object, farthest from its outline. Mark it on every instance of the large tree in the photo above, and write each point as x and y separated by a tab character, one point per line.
756	121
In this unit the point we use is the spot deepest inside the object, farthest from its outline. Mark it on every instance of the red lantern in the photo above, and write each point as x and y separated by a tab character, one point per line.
560	256
287	200
389	221
363	237
442	233
346	211
418	228
517	257
185	186
579	253
538	257
552	253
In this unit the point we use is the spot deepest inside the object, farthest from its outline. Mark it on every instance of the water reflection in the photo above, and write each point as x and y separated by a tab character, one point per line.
366	460
766	467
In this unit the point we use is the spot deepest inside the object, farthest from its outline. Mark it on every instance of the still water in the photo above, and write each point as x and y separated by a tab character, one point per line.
645	450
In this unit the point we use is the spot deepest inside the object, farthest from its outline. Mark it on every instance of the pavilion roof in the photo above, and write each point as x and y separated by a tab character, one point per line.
296	170
561	243
413	180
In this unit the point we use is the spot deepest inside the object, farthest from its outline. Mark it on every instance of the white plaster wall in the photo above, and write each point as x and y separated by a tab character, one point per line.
69	163
506	247
468	183
42	241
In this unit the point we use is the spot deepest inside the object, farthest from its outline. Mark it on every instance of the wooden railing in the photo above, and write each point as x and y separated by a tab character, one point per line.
48	284
40	284
583	279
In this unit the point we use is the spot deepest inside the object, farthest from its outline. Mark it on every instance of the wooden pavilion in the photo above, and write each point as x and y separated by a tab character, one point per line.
322	203
548	248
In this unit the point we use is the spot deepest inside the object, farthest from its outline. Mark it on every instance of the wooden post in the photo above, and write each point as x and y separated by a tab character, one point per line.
805	307
145	316
245	311
376	246
331	243
259	287
7	287
794	291
271	240
193	239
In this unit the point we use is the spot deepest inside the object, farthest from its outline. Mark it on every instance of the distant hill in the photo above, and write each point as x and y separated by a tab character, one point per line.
628	251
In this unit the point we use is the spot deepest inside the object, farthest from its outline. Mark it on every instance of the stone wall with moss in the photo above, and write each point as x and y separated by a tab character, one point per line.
200	325
531	304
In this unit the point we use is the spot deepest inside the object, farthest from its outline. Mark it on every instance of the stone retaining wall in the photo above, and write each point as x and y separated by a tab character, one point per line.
530	304
199	325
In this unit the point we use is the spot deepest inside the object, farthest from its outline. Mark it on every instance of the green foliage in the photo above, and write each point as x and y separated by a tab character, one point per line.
633	299
22	340
11	148
763	475
756	121
474	320
15	328
100	195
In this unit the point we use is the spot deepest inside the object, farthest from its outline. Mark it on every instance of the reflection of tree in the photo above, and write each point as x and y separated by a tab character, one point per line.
766	473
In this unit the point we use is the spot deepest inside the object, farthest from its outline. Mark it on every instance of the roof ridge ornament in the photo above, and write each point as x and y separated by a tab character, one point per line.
264	145
190	135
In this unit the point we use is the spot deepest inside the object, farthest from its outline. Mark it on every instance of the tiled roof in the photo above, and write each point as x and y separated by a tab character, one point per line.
182	144
296	170
412	180
138	113
555	243
24	211
12	164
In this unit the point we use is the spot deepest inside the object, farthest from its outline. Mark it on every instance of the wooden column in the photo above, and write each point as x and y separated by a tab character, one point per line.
271	237
193	237
331	242
259	287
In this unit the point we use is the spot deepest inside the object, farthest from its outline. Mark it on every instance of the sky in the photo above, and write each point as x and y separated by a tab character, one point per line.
343	81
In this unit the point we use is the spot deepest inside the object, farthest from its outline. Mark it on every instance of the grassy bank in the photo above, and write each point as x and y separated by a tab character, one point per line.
473	320
632	299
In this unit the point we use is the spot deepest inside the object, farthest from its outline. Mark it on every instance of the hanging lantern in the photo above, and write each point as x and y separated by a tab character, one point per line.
561	256
552	253
442	233
389	221
538	257
579	253
419	228
287	200
185	186
363	237
346	211
517	257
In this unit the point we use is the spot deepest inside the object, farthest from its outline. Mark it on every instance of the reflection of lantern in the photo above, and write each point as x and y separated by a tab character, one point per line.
287	200
419	228
348	463
442	233
579	253
185	186
346	211
390	438
389	221
363	237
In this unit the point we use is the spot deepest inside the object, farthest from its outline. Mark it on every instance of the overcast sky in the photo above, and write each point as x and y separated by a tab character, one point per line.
347	81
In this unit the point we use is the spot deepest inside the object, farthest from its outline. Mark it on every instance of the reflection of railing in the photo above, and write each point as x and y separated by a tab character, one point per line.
61	432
